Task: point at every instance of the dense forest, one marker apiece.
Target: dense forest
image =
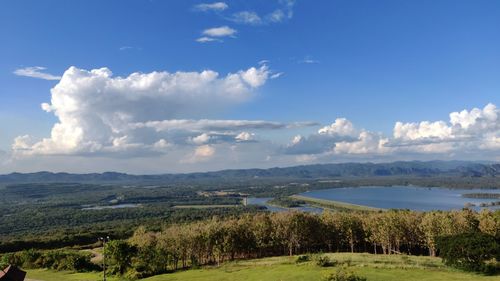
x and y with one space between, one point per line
46 209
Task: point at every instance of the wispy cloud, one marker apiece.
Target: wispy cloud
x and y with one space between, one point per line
216 6
36 72
308 60
276 16
205 39
276 75
283 12
247 17
128 48
222 31
214 34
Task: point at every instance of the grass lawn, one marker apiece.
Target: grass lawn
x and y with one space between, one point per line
49 275
374 268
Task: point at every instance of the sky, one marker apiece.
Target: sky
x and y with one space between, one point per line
150 87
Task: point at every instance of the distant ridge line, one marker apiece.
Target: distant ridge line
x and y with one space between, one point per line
336 170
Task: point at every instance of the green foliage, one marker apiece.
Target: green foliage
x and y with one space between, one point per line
302 258
287 202
217 240
119 256
8 259
343 274
469 251
325 261
49 216
54 259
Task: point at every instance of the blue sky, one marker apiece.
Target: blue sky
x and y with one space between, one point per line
373 63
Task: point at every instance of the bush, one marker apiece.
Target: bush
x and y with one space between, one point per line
469 251
8 259
302 258
343 274
55 259
491 268
325 261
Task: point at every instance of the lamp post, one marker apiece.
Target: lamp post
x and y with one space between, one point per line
104 240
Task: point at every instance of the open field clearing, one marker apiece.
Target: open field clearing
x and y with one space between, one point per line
374 268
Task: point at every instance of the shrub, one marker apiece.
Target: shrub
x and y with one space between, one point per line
343 274
54 259
10 258
469 251
302 258
325 261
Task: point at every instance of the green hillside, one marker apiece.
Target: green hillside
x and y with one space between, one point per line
373 267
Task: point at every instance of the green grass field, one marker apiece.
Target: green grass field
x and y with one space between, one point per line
374 268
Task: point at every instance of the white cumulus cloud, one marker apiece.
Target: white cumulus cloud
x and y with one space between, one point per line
201 153
244 136
98 112
201 139
474 132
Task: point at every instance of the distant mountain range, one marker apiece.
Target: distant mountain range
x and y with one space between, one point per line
412 168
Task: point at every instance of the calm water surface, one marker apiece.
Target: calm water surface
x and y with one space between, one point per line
403 197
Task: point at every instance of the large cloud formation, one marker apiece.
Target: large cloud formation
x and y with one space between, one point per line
467 132
176 118
100 113
341 137
477 129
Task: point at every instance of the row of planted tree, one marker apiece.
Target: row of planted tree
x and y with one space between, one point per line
289 233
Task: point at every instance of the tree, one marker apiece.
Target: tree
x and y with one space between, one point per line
489 222
262 229
351 228
464 221
433 225
468 251
331 232
119 253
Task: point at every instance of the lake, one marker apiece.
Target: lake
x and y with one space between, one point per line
403 197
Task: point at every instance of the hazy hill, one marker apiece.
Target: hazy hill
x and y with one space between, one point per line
413 168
